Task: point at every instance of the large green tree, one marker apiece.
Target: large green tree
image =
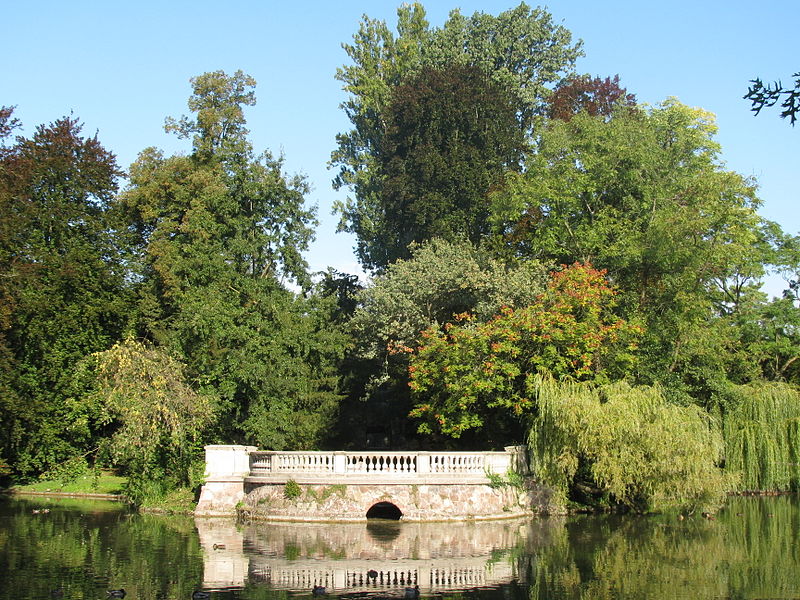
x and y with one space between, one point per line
450 136
219 233
520 52
61 283
646 196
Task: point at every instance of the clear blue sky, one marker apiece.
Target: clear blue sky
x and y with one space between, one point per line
121 67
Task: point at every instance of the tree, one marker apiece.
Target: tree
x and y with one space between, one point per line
520 50
158 418
441 280
598 97
7 122
770 334
218 233
625 442
469 375
62 285
762 437
761 96
645 196
450 136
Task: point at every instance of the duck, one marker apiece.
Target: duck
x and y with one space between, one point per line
318 590
120 593
200 595
412 592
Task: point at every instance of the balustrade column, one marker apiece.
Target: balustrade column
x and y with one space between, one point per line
423 463
274 463
339 462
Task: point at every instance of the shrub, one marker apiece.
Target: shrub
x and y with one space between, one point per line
291 490
648 454
762 437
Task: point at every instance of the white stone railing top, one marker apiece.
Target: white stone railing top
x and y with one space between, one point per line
238 461
244 461
382 464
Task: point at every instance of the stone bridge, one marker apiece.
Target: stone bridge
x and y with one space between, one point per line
355 486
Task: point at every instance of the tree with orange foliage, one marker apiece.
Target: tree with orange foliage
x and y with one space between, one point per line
469 374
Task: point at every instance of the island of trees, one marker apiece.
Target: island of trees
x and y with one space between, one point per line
552 263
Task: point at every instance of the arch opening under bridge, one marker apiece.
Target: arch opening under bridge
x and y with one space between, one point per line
384 510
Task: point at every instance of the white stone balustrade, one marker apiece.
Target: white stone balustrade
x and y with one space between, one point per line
382 466
231 469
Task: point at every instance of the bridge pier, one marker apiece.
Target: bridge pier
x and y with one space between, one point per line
226 469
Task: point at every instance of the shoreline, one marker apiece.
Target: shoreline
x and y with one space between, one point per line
90 495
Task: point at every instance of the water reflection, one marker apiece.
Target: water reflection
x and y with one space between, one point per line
383 556
83 548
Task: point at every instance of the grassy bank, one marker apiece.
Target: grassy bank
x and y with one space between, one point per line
105 483
108 484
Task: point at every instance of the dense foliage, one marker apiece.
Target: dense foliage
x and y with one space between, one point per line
160 418
507 61
628 443
762 437
61 284
467 374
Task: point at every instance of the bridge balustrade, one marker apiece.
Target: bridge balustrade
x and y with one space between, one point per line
383 464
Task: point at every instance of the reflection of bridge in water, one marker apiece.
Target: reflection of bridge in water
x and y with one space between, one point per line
373 558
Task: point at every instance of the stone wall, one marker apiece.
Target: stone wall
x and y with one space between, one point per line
415 502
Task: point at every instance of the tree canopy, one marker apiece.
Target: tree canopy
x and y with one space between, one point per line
218 233
519 53
61 284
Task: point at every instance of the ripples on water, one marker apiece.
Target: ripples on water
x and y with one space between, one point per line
80 549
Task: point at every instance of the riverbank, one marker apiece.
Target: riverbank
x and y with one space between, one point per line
106 486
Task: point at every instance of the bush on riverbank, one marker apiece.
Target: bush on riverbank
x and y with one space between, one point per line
762 437
626 446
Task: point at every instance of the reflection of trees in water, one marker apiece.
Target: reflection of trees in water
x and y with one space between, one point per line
87 547
748 550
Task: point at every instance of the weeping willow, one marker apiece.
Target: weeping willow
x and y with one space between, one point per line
762 437
646 453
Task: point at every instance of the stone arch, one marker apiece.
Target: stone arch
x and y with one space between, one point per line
384 510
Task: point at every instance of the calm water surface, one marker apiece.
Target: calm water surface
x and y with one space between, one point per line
80 549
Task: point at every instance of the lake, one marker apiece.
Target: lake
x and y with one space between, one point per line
68 548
